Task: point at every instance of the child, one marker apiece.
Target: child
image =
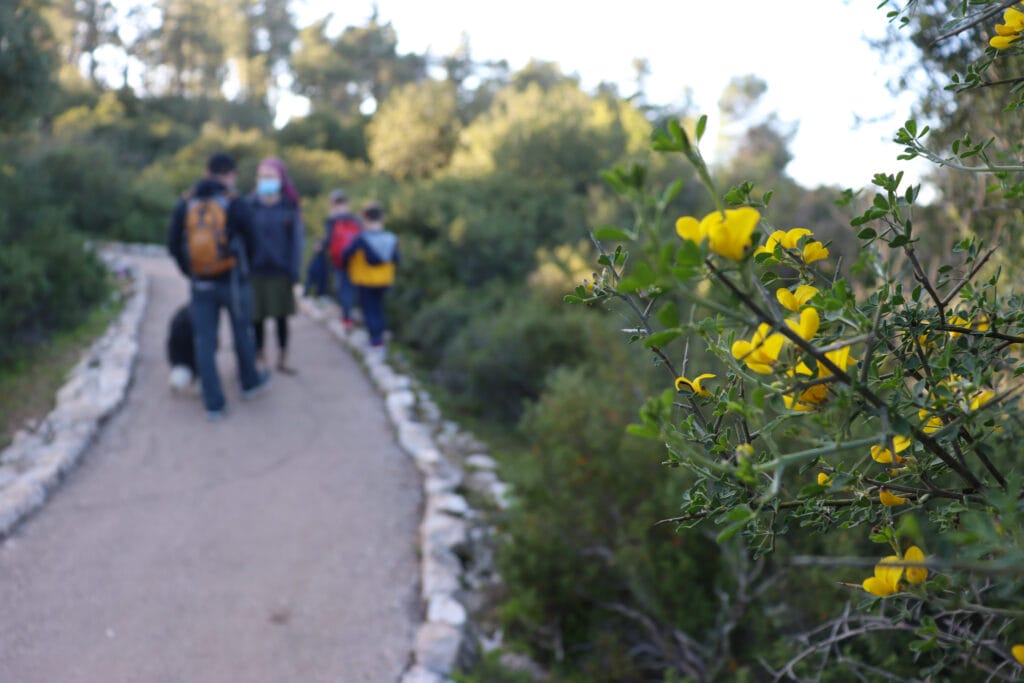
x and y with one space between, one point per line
370 262
340 229
181 350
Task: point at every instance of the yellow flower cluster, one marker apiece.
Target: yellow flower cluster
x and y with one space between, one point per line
727 232
790 239
888 573
1008 32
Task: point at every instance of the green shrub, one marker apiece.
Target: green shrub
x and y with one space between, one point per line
587 572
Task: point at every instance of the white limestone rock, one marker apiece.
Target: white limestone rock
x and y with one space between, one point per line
437 647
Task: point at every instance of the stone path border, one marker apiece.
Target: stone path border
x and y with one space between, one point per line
39 457
456 563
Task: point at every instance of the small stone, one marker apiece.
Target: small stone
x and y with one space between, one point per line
446 609
480 461
418 674
437 647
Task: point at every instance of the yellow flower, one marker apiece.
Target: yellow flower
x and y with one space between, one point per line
890 499
797 299
884 455
788 239
1018 653
932 423
824 479
1010 30
688 228
840 358
807 326
761 353
728 232
980 398
814 251
886 580
915 574
694 384
888 573
809 397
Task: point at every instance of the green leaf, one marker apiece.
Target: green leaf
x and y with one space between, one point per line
669 315
689 254
671 192
644 431
663 338
867 234
610 232
811 490
641 277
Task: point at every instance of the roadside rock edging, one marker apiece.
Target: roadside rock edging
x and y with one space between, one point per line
39 457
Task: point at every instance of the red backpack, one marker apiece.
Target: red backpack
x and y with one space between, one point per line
344 230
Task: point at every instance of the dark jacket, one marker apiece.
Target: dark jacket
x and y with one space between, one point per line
239 228
279 236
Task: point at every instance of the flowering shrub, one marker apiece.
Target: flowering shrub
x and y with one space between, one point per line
879 397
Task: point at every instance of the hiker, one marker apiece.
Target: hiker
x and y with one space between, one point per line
341 228
371 261
181 350
277 257
210 238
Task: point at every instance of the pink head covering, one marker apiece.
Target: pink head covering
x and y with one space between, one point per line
287 186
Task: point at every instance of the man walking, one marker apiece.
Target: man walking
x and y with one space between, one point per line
211 239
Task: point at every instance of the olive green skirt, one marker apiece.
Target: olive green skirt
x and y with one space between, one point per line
272 297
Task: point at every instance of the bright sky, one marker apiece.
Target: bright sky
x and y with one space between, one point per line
812 54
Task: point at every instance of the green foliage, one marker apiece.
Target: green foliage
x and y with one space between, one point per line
324 130
496 362
48 280
543 133
26 63
591 578
413 132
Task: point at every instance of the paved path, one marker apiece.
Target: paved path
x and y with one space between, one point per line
277 545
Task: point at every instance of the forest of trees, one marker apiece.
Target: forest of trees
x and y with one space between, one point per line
492 179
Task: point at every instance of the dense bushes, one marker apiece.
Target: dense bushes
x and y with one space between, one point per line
48 280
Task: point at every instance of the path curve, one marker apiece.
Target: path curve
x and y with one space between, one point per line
278 545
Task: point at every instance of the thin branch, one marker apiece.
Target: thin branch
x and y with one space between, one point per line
970 276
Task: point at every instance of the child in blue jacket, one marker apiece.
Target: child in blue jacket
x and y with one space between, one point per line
370 262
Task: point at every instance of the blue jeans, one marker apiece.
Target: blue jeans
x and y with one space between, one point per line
346 293
371 300
208 297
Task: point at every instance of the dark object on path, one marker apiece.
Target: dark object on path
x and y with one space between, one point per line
181 349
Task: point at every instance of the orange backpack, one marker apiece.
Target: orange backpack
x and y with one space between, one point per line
206 236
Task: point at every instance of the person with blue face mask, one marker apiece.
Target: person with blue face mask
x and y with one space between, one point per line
277 258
